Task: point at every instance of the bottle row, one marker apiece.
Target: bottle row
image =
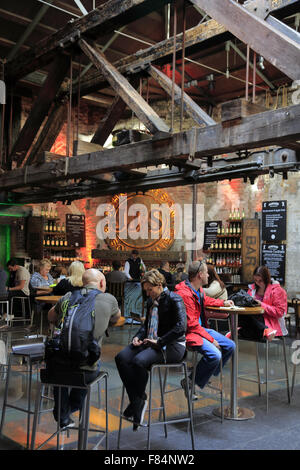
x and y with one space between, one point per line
230 229
235 214
226 260
61 256
55 241
54 226
49 214
226 244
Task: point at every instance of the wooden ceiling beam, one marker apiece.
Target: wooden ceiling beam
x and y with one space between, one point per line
110 16
40 108
190 107
277 48
129 95
258 130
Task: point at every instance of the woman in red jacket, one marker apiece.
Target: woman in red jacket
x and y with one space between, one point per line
273 299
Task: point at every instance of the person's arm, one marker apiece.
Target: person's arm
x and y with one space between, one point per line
179 327
126 270
53 315
278 306
19 286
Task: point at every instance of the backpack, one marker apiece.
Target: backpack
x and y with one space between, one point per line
74 344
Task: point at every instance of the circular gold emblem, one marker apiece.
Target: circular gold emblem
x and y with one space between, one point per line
144 221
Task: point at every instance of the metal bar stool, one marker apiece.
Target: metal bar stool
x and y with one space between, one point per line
189 418
32 359
267 380
23 317
73 380
192 389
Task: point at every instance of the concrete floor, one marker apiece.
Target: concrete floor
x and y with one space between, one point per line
276 430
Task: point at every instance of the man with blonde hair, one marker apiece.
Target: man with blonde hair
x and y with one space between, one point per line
106 312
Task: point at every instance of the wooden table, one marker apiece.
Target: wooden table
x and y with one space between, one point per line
234 411
48 299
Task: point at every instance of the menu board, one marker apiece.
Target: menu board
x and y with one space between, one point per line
274 221
273 256
210 233
75 230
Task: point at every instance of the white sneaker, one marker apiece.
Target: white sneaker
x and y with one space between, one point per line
8 317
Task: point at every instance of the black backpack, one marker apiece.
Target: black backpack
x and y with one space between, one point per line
74 345
243 299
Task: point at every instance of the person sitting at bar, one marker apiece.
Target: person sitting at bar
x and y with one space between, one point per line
134 267
106 313
161 339
59 272
21 281
165 271
212 345
41 280
273 299
72 282
215 287
116 275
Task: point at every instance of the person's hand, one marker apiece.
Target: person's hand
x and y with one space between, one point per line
228 303
258 302
151 342
136 341
215 343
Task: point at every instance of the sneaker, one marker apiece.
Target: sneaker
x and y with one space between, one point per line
228 335
183 385
140 407
68 423
270 334
129 411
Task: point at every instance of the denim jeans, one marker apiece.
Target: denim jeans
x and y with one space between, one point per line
209 364
72 398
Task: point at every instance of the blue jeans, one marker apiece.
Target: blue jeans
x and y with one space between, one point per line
209 364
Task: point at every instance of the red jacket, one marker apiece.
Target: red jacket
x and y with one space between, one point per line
195 332
274 304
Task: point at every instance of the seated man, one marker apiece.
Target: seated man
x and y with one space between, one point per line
161 339
116 275
21 281
106 312
212 345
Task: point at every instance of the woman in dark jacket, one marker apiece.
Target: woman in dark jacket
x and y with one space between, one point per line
161 339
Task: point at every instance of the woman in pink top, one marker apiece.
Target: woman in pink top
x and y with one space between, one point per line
273 299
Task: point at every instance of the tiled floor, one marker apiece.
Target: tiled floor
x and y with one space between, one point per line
277 429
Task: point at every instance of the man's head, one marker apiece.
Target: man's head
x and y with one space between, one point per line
197 273
165 265
95 278
134 254
12 265
116 265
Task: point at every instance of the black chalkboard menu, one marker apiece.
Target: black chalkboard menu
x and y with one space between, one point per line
75 230
274 221
210 233
273 256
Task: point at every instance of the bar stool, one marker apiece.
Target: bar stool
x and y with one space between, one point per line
74 380
2 303
32 359
189 418
23 317
259 381
217 389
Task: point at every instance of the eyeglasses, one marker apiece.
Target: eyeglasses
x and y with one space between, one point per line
201 262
